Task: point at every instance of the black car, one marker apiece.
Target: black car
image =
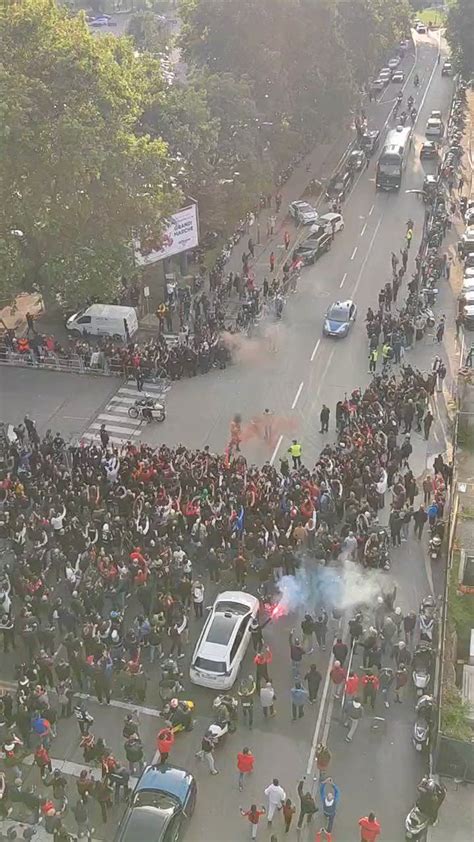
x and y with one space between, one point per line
162 803
369 141
339 185
429 149
311 249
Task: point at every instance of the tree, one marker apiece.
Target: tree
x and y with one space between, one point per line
79 179
150 32
460 35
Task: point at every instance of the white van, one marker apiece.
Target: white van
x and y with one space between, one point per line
104 320
434 128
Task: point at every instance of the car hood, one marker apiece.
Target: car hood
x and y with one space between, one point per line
336 327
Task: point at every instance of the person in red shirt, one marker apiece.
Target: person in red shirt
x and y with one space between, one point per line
338 678
352 685
164 743
370 684
369 828
245 762
253 816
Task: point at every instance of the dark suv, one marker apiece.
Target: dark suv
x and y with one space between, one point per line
312 248
339 186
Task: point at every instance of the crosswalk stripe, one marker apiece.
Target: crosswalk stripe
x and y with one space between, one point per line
116 407
121 399
127 431
106 416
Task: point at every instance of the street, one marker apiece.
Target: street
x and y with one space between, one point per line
292 370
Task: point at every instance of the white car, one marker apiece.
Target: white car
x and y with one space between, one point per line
329 222
421 29
303 212
469 217
436 115
223 641
398 76
434 128
385 74
393 62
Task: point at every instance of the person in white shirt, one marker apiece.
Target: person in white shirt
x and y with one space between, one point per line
57 519
276 798
198 598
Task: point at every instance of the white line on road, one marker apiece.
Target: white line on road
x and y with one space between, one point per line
315 349
322 704
297 396
364 263
343 280
371 210
354 253
277 448
364 229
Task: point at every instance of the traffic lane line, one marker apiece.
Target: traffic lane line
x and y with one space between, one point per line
364 229
366 258
275 452
315 350
343 280
297 396
353 253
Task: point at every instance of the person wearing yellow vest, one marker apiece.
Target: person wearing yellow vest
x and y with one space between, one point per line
295 452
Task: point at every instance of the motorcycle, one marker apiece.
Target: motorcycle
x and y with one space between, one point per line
424 812
148 409
422 668
226 708
435 546
422 726
179 716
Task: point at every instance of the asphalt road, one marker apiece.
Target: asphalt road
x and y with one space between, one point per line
377 771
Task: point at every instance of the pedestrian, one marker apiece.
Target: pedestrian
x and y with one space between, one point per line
370 685
253 816
409 624
198 598
251 247
373 357
271 225
460 183
164 743
299 697
440 329
296 653
272 262
103 794
338 678
276 798
409 237
81 817
43 761
353 713
246 692
340 651
324 418
289 811
352 685
267 424
329 794
262 660
420 517
313 678
307 623
307 805
427 422
207 751
134 753
320 629
267 699
295 451
139 379
427 489
104 436
245 764
287 240
386 679
401 680
369 828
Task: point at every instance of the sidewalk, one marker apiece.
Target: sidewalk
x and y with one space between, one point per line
456 816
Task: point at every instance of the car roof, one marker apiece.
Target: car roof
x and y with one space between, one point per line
302 204
141 822
330 215
172 780
341 305
225 623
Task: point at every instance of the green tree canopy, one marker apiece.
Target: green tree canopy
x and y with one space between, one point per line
79 178
460 35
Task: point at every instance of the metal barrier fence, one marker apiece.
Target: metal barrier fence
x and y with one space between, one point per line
97 363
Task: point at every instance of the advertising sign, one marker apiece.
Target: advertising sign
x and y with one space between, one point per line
180 235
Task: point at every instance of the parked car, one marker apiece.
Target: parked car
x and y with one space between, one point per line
340 317
223 641
378 84
303 212
398 76
421 29
310 250
429 149
161 806
447 69
434 128
356 160
393 62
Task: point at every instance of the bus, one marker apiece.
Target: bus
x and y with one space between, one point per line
393 159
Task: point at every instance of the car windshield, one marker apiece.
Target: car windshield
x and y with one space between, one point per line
305 208
154 798
235 607
220 630
336 313
210 666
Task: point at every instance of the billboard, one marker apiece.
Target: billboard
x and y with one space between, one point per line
180 234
